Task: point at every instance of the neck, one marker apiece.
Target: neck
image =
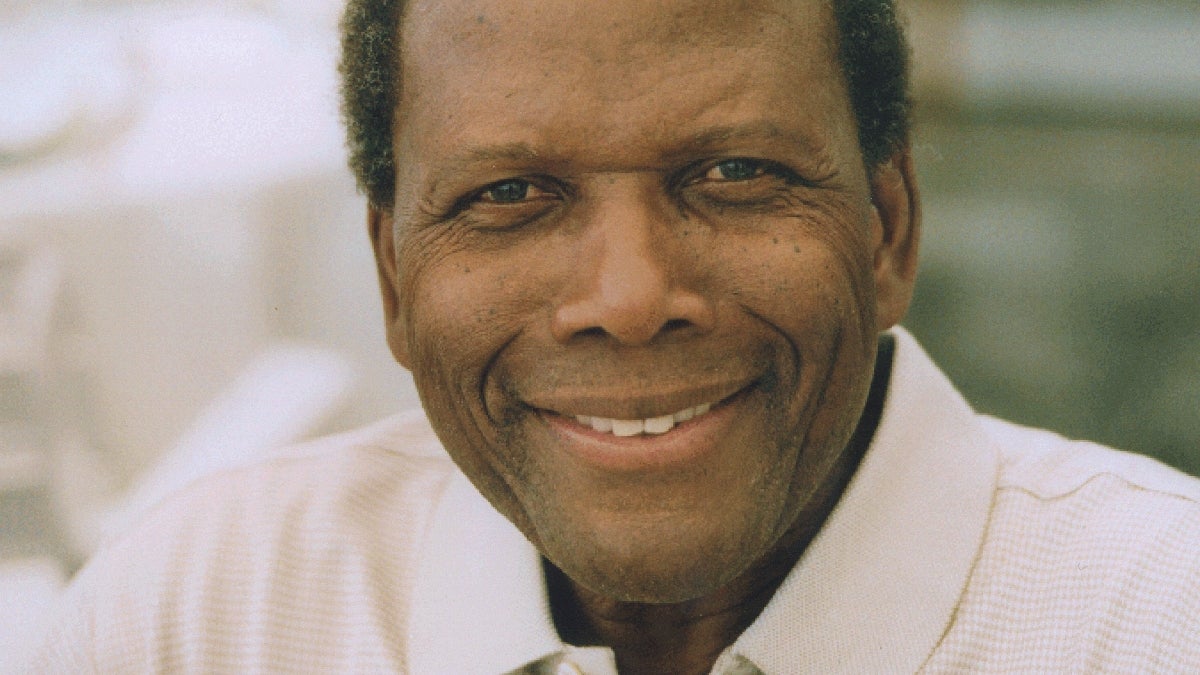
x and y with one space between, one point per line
688 637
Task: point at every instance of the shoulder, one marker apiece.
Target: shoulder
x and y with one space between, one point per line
320 492
268 561
1118 507
1092 556
1048 465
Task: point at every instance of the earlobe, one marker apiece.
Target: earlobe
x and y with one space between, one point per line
382 233
897 202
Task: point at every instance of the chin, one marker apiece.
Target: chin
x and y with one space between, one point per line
659 582
658 565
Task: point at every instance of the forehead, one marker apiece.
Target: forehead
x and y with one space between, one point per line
606 30
619 70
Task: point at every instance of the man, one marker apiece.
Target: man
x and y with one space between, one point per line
643 260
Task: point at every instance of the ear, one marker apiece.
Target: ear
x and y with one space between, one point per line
896 236
380 225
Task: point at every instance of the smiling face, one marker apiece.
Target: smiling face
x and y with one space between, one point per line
638 272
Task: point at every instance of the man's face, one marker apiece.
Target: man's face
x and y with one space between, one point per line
648 212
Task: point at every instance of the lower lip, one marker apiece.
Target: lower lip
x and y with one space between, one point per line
686 442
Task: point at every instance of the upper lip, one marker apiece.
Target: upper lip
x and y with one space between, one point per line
630 402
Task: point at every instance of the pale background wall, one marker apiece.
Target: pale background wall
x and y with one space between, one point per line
184 272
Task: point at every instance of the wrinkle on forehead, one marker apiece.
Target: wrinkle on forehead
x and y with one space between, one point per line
616 85
613 33
616 50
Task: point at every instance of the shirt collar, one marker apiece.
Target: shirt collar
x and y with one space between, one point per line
874 592
479 602
877 588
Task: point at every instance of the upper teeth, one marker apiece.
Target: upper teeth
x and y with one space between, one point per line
652 425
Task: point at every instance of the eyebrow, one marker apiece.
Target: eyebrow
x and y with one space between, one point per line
708 140
515 153
511 153
758 130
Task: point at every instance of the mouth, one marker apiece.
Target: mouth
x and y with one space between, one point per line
659 442
650 426
624 413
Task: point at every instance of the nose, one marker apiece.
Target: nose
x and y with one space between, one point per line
634 278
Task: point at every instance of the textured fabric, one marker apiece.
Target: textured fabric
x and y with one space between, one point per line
963 544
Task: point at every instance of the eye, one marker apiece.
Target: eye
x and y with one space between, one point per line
736 169
507 203
507 192
512 191
734 182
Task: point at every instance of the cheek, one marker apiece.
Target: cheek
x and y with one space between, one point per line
808 282
813 287
460 311
460 308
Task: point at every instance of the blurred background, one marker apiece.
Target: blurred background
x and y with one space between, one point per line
185 277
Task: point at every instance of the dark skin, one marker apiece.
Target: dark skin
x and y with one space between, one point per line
656 639
624 212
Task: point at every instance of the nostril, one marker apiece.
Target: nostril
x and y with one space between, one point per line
591 332
675 324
